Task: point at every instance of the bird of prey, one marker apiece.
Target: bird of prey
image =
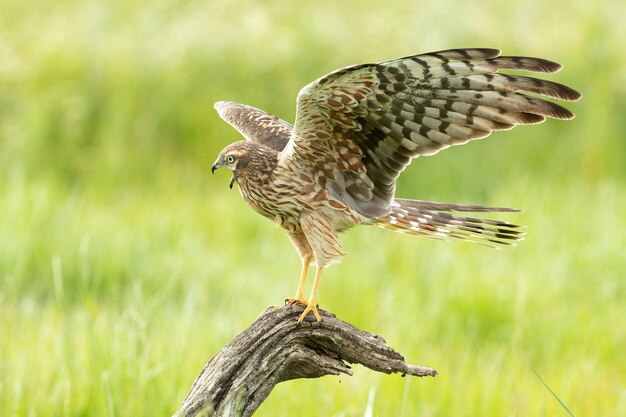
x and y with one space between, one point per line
358 128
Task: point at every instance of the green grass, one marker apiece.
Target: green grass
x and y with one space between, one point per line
124 265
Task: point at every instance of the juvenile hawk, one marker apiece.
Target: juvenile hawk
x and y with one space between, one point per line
356 130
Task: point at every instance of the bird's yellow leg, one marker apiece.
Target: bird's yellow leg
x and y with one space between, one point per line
311 306
298 298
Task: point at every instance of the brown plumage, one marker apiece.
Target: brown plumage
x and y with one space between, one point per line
356 130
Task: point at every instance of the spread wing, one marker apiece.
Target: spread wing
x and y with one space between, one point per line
255 125
362 125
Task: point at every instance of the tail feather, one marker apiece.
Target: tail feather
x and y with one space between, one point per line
431 219
435 205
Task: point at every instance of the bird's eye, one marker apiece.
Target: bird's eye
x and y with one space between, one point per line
230 159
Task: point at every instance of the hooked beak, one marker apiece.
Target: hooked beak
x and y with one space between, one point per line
217 165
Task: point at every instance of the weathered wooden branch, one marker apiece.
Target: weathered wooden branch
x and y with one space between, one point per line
275 348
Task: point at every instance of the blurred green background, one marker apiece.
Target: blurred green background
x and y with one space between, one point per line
124 265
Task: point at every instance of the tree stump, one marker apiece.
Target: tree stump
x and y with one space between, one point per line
276 348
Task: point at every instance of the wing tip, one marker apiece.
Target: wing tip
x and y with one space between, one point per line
562 92
546 65
527 63
568 94
231 109
561 113
574 95
221 105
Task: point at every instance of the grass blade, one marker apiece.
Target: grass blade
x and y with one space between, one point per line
553 393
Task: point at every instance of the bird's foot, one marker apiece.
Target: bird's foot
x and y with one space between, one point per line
310 307
296 300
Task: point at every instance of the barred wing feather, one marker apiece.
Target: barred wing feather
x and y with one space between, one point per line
255 125
362 125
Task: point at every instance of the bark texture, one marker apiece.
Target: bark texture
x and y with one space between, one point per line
275 348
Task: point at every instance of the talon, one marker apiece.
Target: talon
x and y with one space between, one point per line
310 307
292 301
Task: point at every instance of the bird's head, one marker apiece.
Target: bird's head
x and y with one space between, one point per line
244 158
230 157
